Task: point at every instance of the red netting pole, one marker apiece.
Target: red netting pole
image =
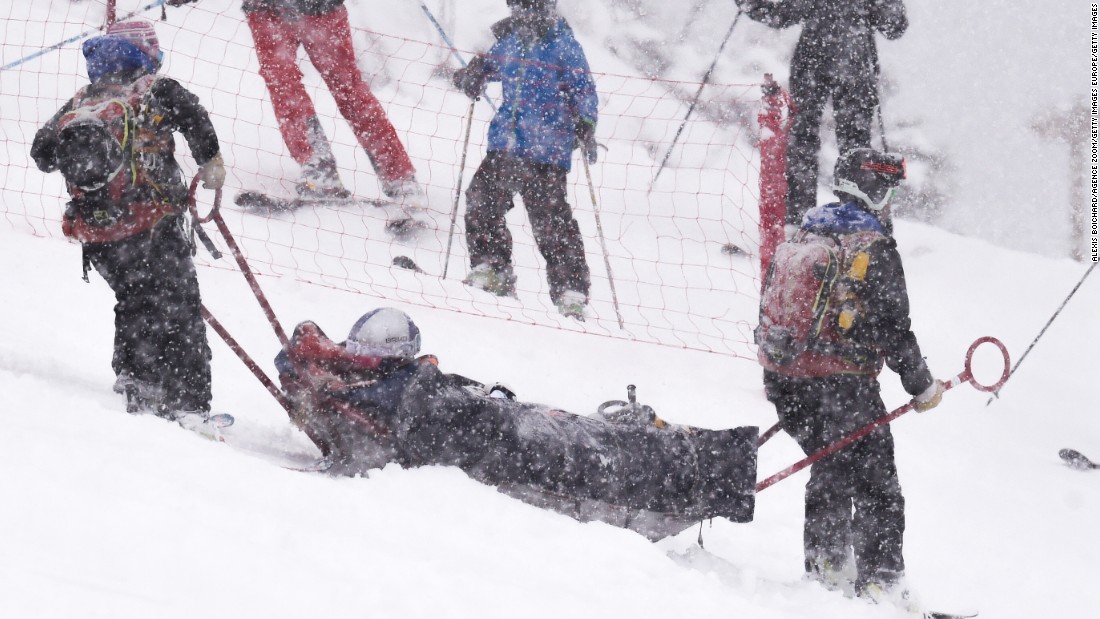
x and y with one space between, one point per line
775 124
110 12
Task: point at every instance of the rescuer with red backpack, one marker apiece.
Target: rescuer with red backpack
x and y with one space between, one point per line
113 143
833 310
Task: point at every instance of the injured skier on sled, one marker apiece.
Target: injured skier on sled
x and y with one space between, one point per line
371 400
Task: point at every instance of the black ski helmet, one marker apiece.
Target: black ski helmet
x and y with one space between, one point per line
384 332
869 175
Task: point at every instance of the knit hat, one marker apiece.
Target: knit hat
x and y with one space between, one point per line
141 34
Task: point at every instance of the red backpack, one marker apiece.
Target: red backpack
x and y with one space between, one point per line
104 147
809 304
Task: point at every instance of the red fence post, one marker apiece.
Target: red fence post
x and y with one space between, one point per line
775 124
110 12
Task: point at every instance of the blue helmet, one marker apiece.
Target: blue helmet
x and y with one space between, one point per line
127 47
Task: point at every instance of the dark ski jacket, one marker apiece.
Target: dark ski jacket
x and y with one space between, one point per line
547 88
167 107
837 35
366 412
884 322
292 7
177 109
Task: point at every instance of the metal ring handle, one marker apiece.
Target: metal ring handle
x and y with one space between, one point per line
193 206
968 374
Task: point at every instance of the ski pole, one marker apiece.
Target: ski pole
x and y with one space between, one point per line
695 101
882 128
215 215
44 51
450 44
996 393
458 187
599 231
245 358
967 375
878 104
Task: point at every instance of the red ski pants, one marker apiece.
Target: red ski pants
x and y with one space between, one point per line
327 41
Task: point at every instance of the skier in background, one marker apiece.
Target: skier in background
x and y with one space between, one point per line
835 58
824 384
549 109
321 27
113 143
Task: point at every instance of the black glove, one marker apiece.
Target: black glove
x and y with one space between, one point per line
585 131
471 78
179 2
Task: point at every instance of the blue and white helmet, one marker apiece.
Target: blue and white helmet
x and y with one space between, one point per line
384 332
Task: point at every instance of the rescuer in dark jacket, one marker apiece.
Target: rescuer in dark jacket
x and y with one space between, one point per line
825 386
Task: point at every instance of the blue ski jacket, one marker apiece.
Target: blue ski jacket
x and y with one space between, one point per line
547 88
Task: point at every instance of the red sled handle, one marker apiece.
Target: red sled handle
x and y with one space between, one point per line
966 376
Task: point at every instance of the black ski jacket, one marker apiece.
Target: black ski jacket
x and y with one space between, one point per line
172 108
837 35
885 324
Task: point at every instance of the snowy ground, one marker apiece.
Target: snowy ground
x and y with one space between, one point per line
108 515
103 514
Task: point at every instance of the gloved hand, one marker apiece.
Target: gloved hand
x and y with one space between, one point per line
179 2
585 131
929 398
471 78
212 173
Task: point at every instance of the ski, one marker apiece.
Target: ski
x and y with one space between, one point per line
733 250
932 614
259 200
275 450
206 426
1077 460
315 465
400 225
405 228
405 262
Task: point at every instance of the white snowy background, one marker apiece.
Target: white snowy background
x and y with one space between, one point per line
103 514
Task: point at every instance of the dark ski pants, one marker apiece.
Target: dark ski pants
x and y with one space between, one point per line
854 103
542 187
160 337
853 498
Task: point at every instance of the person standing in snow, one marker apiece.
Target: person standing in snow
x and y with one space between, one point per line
825 387
549 109
113 143
321 27
835 58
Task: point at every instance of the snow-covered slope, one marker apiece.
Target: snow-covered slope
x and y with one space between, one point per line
109 515
103 514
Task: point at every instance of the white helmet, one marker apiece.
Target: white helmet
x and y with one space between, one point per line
384 332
